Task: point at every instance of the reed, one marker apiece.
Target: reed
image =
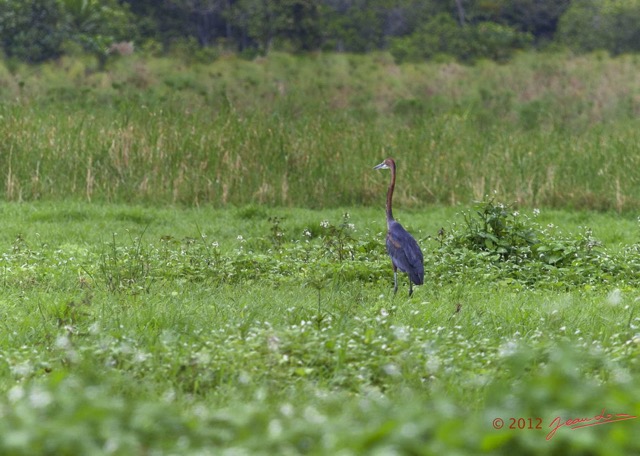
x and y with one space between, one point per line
544 130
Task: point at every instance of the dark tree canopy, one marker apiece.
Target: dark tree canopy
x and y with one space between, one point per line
37 30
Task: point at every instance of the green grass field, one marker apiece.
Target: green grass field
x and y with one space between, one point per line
192 257
130 329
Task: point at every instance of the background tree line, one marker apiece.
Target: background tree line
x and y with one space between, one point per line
412 30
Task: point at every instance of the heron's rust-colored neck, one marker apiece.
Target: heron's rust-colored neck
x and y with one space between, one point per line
392 166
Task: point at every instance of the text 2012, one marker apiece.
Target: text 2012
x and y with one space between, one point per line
519 423
525 423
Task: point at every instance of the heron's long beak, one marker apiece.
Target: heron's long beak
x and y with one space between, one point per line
382 165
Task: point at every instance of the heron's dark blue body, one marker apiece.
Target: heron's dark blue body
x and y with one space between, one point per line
403 249
405 253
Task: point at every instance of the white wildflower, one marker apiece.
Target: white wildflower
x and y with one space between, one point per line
507 349
312 415
63 342
140 357
22 369
94 328
615 297
433 364
286 410
40 398
401 333
273 343
16 393
169 395
275 428
391 370
244 378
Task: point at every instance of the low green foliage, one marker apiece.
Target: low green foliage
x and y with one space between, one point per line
512 246
130 329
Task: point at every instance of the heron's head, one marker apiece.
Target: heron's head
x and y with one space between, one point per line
388 163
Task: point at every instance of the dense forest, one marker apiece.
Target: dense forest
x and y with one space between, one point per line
412 30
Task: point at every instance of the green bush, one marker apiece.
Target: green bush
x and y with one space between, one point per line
609 25
443 36
35 31
32 31
496 241
496 41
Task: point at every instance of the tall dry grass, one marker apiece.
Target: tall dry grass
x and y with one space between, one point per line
544 130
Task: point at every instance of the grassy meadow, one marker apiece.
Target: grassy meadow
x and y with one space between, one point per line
552 131
192 257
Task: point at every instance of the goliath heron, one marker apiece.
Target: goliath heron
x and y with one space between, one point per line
402 247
